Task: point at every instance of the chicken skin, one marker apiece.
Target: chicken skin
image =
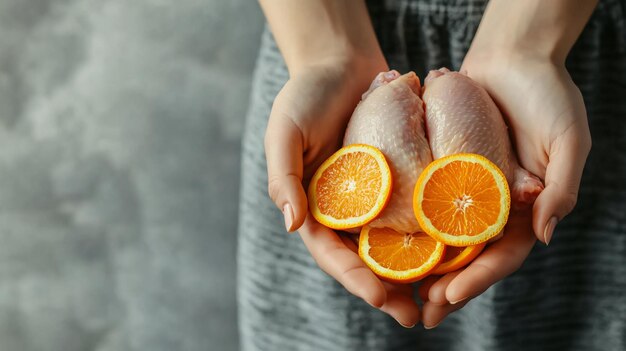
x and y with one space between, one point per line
390 117
462 117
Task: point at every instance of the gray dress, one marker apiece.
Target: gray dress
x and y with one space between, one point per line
568 296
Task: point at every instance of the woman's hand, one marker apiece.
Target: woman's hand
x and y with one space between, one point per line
306 126
332 54
518 56
446 294
548 124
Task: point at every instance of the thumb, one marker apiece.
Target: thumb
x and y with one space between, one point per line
566 161
283 152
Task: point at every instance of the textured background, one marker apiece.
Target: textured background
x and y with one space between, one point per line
119 159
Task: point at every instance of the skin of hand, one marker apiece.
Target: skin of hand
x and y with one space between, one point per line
328 73
306 126
526 76
450 292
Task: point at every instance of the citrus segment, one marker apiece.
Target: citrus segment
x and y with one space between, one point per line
457 258
350 188
398 257
462 200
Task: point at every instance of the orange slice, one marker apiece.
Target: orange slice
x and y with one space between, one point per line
398 257
457 258
350 188
462 200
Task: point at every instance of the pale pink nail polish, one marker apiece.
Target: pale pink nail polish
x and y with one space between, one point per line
457 301
407 326
288 213
432 326
547 233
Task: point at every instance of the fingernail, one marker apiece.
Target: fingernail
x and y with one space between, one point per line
547 233
432 326
457 301
288 213
407 326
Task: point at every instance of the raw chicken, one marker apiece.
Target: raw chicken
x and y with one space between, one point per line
462 117
390 117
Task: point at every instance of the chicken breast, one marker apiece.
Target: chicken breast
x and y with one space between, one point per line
462 117
390 117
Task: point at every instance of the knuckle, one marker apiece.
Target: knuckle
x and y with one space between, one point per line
323 263
587 144
327 261
566 197
325 267
281 185
515 259
273 188
267 139
570 199
585 141
488 271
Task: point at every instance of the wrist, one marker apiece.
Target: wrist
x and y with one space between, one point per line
356 64
500 59
354 73
488 49
316 32
516 43
531 29
488 67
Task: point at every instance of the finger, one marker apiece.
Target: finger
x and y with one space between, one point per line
568 154
405 289
350 244
437 292
400 305
341 263
425 285
434 314
497 261
283 152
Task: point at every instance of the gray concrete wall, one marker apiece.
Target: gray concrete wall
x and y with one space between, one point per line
119 157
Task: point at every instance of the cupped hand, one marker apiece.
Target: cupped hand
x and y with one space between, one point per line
306 126
548 125
550 133
445 294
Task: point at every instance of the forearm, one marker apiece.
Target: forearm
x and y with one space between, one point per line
314 31
545 29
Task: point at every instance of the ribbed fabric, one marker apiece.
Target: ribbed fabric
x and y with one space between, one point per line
570 296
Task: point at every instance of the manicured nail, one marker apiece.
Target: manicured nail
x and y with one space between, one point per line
457 301
432 326
547 233
288 213
407 326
